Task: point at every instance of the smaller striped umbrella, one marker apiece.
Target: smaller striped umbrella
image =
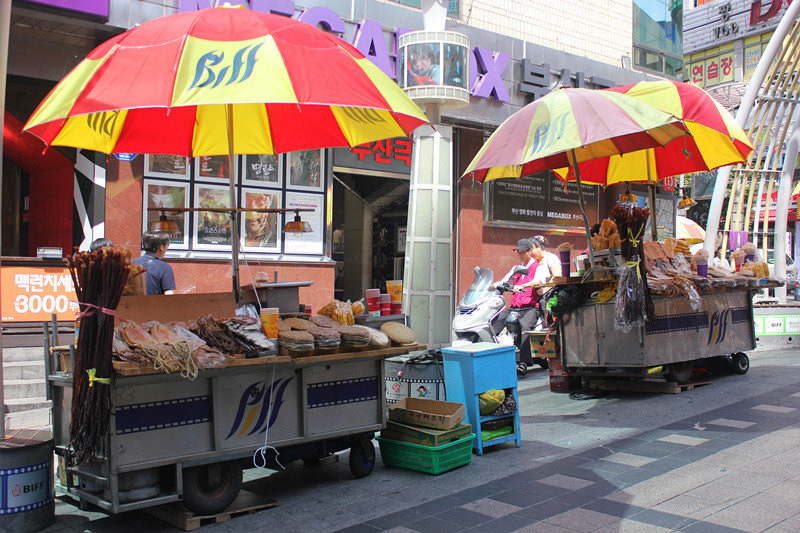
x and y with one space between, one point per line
689 230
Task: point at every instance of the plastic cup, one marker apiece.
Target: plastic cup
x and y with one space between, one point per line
269 322
397 308
395 290
750 258
386 308
373 293
702 270
386 298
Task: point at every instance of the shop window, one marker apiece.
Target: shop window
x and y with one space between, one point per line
289 181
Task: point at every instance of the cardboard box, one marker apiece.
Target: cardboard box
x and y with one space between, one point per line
424 436
542 348
427 413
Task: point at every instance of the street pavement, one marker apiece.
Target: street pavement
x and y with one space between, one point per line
721 457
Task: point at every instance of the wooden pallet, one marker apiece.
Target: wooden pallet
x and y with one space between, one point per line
176 514
664 387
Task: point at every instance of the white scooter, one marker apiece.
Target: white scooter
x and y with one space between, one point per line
476 310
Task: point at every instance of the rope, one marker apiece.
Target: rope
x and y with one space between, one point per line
261 453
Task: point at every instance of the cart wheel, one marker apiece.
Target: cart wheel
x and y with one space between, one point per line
741 363
210 489
362 457
680 372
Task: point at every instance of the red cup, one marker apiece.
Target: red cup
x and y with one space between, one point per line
397 308
386 308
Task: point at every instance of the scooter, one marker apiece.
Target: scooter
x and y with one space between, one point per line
480 305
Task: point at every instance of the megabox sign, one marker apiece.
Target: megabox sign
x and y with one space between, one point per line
485 67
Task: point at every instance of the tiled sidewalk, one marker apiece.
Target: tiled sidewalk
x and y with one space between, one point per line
740 471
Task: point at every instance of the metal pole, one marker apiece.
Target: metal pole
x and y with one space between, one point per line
583 209
5 24
749 98
234 213
782 213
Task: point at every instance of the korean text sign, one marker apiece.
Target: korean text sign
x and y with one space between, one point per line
33 294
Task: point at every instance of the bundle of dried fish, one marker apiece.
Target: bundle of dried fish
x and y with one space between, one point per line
122 351
140 341
204 355
179 349
250 330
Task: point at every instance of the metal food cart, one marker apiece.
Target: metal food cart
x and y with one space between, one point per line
168 436
721 327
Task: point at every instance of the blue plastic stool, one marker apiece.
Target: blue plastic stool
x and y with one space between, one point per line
473 369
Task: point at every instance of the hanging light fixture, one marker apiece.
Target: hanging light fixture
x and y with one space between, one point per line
686 203
628 199
297 226
163 224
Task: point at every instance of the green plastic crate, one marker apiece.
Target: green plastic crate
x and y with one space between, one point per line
428 459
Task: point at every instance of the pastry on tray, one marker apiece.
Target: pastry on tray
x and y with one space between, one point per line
399 333
325 337
354 336
300 341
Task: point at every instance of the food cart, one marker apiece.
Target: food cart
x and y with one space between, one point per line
680 336
172 438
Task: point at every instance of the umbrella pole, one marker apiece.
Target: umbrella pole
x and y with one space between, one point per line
651 189
583 209
234 211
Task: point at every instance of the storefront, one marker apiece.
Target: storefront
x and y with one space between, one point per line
359 197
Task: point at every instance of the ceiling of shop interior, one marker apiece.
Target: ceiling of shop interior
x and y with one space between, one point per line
385 196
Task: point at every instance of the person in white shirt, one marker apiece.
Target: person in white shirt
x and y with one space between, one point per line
549 268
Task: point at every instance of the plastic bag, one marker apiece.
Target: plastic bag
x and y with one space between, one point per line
629 306
508 407
343 313
490 400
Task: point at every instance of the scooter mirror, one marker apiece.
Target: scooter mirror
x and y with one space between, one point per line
521 270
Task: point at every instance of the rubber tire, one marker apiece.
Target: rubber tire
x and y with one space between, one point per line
680 373
542 362
201 498
740 362
362 457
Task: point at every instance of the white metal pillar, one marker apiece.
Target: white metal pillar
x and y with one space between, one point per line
427 278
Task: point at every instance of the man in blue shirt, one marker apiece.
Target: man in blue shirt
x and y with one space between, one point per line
160 278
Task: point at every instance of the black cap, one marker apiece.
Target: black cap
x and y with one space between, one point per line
523 245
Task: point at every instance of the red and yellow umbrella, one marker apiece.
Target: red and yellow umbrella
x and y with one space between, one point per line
716 139
165 87
569 126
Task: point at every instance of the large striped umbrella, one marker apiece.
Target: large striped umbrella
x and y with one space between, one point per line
716 139
223 81
689 230
166 86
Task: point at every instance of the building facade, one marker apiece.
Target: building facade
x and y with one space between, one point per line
520 51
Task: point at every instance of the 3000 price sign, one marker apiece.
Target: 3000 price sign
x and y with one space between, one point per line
36 303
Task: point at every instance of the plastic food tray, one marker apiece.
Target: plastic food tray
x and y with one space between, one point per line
428 459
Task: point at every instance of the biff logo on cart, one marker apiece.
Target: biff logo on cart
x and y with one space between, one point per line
254 408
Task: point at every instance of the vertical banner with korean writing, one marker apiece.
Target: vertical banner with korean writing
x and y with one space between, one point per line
33 294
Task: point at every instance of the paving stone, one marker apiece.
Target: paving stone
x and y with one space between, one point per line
432 524
630 526
582 520
492 508
688 506
566 482
629 459
520 499
683 439
464 517
727 422
774 408
756 513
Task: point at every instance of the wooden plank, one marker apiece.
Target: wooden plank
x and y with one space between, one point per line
122 368
177 515
664 387
175 307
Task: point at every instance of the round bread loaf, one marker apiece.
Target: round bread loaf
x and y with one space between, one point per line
324 321
399 333
283 326
325 337
300 323
296 340
354 335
